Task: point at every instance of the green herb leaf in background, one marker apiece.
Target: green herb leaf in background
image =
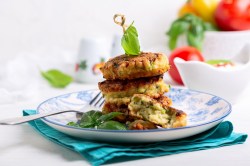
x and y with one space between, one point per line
194 40
130 41
177 29
56 78
192 26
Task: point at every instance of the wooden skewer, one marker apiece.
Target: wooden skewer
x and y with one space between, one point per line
121 22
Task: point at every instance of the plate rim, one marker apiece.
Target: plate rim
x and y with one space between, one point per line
136 131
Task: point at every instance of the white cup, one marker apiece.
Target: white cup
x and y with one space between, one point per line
93 52
116 46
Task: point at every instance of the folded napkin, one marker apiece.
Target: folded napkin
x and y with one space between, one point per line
98 153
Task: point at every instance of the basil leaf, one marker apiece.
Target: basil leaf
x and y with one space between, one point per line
108 116
209 27
187 17
87 124
195 35
177 29
91 116
130 41
112 125
89 119
172 42
56 78
73 124
192 26
95 119
193 40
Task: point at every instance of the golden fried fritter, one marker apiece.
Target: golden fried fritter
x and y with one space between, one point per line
130 67
141 125
146 108
151 86
114 107
165 101
121 105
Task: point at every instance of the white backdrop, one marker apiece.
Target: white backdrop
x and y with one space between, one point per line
46 27
39 35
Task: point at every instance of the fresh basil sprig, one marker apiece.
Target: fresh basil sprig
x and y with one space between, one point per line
112 125
56 78
95 119
191 25
130 41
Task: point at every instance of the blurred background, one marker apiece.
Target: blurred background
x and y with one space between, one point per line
51 27
40 35
37 36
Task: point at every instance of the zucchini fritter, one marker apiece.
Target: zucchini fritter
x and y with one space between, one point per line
121 105
130 67
146 108
114 107
152 86
141 125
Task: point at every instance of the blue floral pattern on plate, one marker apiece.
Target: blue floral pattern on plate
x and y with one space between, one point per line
203 112
200 107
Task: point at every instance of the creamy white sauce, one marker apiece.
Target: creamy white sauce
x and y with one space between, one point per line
234 65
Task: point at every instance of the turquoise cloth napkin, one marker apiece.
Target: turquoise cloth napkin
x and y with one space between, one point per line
98 153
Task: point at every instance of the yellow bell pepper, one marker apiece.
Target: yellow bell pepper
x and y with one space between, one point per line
205 8
185 9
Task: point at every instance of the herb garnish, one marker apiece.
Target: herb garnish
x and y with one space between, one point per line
95 119
56 78
130 42
191 25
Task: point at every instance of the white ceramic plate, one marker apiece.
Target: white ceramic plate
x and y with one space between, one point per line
204 111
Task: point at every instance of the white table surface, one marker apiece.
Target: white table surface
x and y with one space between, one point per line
21 145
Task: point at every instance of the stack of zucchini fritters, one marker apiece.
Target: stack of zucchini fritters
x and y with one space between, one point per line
134 86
